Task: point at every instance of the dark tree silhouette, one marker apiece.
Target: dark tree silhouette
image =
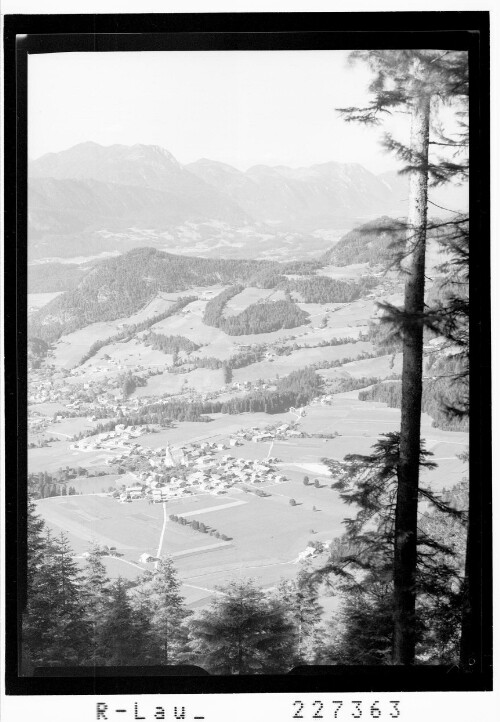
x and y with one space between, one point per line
242 632
364 558
411 80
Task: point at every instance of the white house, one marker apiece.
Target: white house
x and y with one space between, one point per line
146 558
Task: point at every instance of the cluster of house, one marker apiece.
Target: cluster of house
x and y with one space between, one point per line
118 439
275 433
194 469
37 423
252 385
326 400
82 398
43 387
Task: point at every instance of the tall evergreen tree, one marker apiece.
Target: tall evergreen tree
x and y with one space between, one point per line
299 597
95 584
411 79
36 549
36 543
56 631
122 634
364 558
243 632
361 630
448 316
158 597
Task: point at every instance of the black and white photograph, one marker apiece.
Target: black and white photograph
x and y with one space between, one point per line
248 404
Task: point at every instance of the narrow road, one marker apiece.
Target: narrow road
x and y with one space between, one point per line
119 559
205 589
158 553
270 449
125 561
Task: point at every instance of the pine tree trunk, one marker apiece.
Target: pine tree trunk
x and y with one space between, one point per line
405 548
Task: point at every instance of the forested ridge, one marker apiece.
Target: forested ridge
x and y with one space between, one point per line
264 318
373 243
261 317
322 289
51 277
131 329
170 344
118 287
215 307
267 316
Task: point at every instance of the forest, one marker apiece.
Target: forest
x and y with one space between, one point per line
264 318
131 329
322 289
215 307
121 286
256 318
374 243
170 344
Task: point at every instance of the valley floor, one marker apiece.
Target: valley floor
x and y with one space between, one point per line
262 534
267 534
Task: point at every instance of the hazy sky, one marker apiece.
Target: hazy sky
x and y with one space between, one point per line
240 107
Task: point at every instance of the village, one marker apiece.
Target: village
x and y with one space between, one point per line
103 398
164 473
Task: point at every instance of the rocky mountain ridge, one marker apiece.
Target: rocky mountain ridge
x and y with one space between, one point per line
91 198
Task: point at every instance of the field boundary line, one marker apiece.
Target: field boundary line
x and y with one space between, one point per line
213 508
196 550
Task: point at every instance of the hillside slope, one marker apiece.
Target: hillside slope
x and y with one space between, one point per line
122 285
370 243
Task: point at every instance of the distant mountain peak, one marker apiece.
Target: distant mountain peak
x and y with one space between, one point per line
151 151
214 164
77 161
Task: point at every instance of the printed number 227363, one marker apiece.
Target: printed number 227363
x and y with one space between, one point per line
340 709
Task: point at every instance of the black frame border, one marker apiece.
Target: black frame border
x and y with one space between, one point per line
244 31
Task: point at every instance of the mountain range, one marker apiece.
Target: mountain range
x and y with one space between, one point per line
92 199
